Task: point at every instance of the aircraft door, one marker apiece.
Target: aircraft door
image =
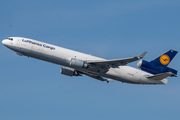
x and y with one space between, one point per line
17 42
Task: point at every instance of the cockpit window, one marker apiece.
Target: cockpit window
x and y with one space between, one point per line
10 39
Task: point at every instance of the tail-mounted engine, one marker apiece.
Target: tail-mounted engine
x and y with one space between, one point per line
154 69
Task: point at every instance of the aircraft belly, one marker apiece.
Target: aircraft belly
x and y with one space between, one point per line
124 74
14 48
118 74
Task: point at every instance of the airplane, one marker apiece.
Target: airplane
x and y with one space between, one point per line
77 64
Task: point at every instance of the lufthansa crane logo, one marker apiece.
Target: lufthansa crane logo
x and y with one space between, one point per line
164 59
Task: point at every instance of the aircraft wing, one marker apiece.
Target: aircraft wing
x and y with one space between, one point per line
117 62
97 77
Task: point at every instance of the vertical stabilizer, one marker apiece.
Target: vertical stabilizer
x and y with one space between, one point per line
165 58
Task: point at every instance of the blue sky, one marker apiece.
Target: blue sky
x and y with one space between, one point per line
31 89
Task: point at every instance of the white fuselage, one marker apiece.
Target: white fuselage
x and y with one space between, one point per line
62 56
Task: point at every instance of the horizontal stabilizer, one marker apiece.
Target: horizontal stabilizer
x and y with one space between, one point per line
161 76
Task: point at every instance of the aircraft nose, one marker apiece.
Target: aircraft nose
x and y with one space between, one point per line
4 42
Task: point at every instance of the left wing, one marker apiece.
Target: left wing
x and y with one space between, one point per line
117 62
98 77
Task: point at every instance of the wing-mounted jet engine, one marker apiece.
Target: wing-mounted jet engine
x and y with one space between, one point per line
69 71
78 63
159 65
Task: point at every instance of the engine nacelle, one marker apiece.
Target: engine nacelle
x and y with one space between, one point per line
78 63
69 71
154 69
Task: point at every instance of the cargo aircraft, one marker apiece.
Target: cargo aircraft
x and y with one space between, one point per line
76 64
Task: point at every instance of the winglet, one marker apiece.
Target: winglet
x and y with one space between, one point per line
142 55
